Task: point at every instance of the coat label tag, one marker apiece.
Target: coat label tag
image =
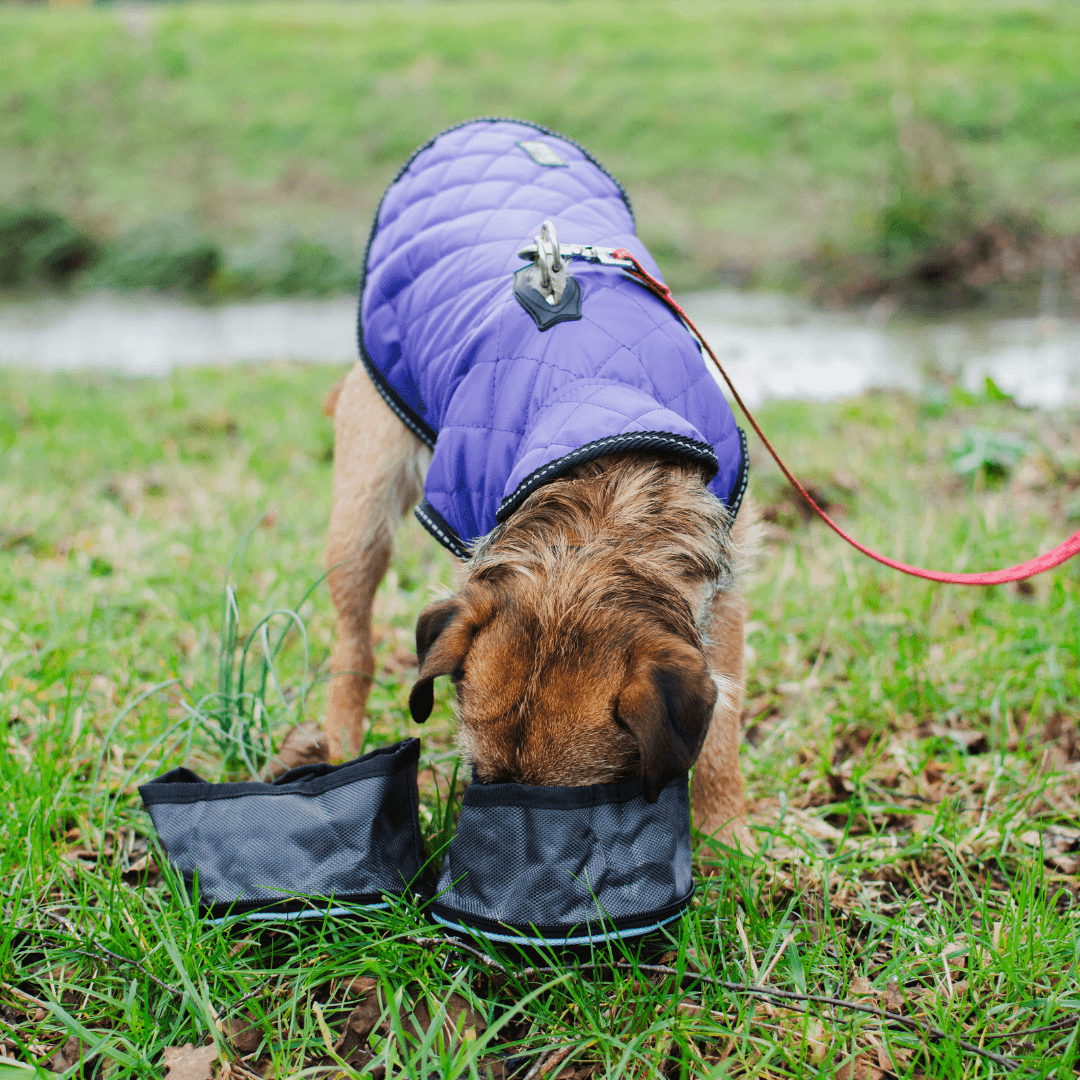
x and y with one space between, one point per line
542 154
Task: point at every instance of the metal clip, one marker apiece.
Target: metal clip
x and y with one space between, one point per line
545 289
585 252
547 275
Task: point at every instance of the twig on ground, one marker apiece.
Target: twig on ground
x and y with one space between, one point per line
928 1031
548 1061
233 1005
788 940
98 952
1057 1025
9 989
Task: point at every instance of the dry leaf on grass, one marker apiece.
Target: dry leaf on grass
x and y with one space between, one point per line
461 1021
955 954
971 742
897 1054
815 1041
1055 841
860 1067
359 987
243 1035
696 961
143 869
358 1027
189 1062
67 1055
126 849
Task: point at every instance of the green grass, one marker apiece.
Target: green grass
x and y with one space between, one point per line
747 131
905 746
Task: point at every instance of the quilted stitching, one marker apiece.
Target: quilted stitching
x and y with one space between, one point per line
450 348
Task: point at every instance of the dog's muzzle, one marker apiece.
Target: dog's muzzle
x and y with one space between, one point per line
318 838
566 866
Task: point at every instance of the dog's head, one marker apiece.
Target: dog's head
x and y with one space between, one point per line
575 646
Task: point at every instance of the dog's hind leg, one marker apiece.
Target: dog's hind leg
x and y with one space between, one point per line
718 801
379 468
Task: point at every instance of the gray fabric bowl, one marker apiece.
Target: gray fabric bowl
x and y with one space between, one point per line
563 866
319 837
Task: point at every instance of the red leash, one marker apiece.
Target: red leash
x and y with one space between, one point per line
992 577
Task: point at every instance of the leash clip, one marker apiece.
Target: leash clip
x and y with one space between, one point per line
585 252
545 289
547 275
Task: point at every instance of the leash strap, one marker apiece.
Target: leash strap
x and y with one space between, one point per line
626 261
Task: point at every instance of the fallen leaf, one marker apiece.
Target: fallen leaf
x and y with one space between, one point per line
143 869
1055 840
244 1037
695 961
189 1062
359 1024
971 742
360 987
901 1055
815 1039
461 1021
955 954
67 1055
859 1067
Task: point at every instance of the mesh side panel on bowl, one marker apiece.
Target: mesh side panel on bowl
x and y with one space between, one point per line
539 857
347 831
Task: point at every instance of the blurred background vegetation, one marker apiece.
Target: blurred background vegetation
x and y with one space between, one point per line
921 149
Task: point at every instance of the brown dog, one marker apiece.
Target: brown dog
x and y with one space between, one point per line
597 634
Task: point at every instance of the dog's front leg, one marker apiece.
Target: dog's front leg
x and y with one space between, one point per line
719 806
379 468
718 800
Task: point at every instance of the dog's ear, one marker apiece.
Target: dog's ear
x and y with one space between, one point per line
444 632
667 705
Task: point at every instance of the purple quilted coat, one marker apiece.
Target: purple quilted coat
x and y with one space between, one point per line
504 406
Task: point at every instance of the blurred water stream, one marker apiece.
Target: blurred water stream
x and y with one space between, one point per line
772 346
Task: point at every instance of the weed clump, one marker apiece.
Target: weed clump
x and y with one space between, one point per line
936 241
295 266
169 257
39 246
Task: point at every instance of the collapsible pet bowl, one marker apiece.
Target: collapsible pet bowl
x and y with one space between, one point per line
567 866
318 838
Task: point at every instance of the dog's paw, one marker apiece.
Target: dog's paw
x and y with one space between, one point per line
306 744
724 839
